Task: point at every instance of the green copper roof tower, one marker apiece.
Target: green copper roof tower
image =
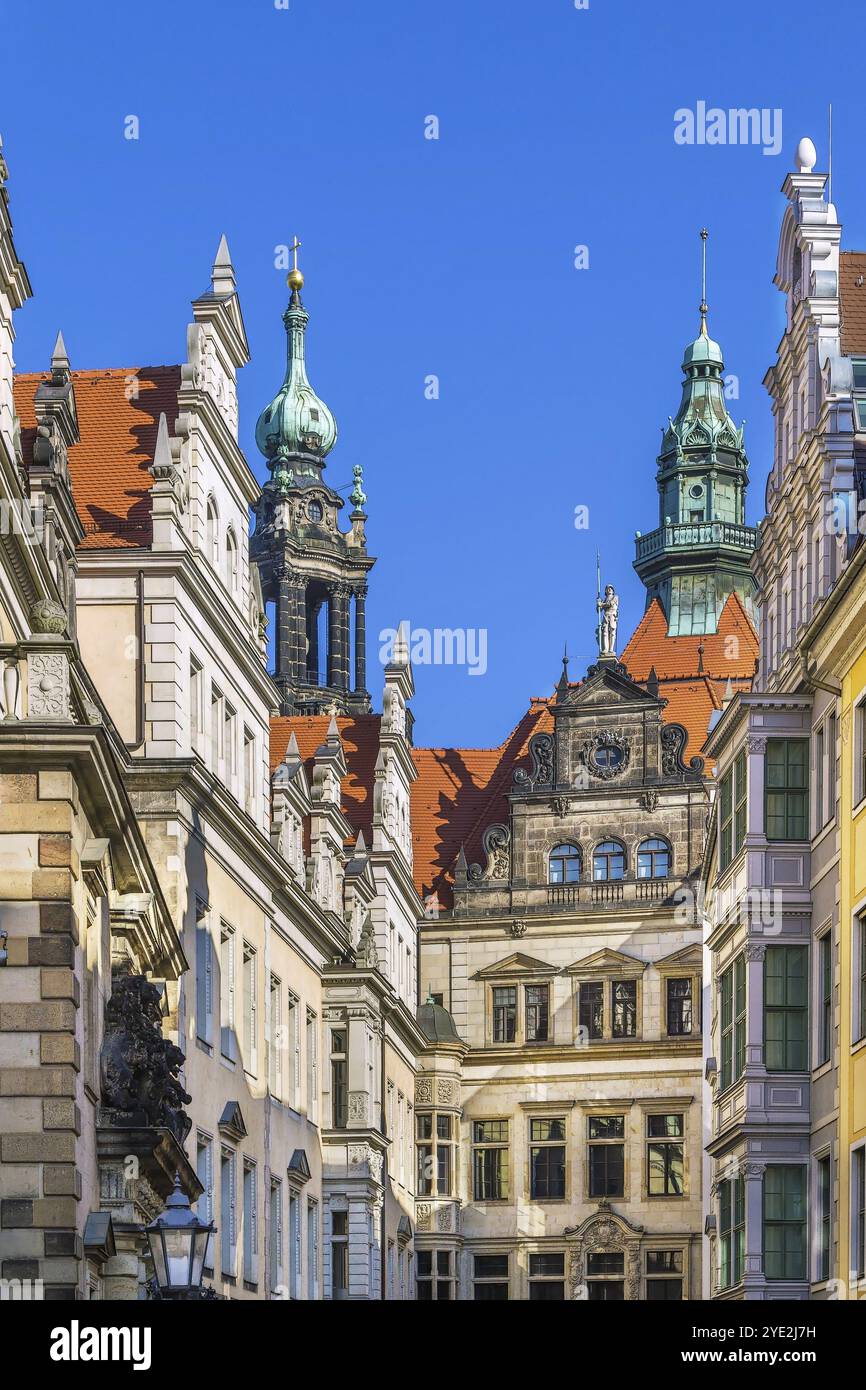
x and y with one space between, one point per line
701 551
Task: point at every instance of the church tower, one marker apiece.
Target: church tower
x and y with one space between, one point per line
314 573
702 548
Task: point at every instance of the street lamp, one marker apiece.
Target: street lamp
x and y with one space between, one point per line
178 1245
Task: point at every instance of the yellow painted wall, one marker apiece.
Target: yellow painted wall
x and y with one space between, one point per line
852 1071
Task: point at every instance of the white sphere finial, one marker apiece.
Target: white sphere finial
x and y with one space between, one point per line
807 156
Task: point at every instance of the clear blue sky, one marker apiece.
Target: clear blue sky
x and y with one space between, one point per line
451 257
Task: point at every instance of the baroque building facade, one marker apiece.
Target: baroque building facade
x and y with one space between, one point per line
783 932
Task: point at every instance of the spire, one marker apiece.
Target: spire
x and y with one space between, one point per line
562 685
297 430
60 357
704 307
223 272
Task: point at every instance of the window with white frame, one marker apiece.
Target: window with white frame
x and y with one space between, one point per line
312 1066
228 1212
231 562
227 992
251 1231
196 682
824 1029
275 1235
823 1207
212 533
339 1254
665 1155
312 1249
860 751
859 977
205 1174
203 976
249 770
858 1213
275 1038
216 731
229 741
292 1046
251 1008
294 1244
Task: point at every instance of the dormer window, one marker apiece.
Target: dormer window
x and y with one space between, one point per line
315 511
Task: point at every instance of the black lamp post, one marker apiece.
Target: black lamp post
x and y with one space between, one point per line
178 1245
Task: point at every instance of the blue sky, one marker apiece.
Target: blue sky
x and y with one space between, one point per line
451 257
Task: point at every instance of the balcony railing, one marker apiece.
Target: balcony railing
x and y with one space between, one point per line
610 893
687 535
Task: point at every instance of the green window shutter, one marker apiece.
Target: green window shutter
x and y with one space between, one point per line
725 827
786 772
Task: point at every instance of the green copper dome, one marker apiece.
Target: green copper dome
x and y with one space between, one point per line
297 423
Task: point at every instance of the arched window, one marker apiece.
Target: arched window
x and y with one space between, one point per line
231 561
212 538
608 861
563 864
653 859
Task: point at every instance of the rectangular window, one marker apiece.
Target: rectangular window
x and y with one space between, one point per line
732 810
591 1009
251 1009
785 1221
203 976
860 751
490 1283
195 710
606 1155
292 1046
732 1232
249 773
537 1004
444 1155
858 1213
665 1155
819 779
490 1160
860 981
831 766
275 1039
251 1235
312 1249
339 1254
504 1014
546 1159
786 798
227 992
229 737
339 1078
547 1278
624 1008
294 1245
825 1214
825 1022
312 1067
434 1274
228 1212
786 1008
216 731
605 1281
664 1269
679 993
726 819
732 990
424 1135
275 1235
205 1204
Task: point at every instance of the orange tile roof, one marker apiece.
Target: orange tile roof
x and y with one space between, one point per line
852 267
118 416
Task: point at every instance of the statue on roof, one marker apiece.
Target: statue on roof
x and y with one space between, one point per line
608 611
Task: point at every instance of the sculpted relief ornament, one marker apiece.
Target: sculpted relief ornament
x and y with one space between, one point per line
495 842
608 619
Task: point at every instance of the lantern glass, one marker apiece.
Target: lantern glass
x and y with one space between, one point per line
178 1247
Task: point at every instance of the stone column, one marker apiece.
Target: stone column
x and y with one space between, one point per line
313 640
333 637
755 829
299 593
360 639
284 626
754 1280
341 599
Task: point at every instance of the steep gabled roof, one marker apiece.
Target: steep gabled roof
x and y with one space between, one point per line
118 415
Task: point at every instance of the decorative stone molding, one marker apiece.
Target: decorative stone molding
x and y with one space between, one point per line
755 952
358 1107
649 799
755 744
673 740
10 688
516 928
138 1066
605 740
541 769
47 616
495 842
47 685
423 1215
424 1090
446 1091
560 805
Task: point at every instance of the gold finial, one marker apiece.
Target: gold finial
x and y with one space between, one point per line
704 308
295 279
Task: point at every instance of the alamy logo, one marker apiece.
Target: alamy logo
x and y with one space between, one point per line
438 646
77 1343
738 126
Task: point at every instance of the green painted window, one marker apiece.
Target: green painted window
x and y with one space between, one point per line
732 1231
732 811
785 1008
785 1221
786 795
733 1015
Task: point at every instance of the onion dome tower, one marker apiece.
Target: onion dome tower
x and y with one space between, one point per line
702 548
313 573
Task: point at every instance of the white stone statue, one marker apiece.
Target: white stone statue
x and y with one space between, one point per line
608 608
